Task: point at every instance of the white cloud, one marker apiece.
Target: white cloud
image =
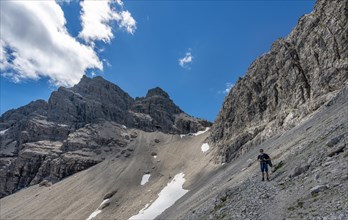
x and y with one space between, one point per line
127 22
185 61
35 44
228 88
97 18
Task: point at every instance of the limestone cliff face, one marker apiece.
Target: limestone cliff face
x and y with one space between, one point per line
90 101
95 100
297 75
77 128
156 111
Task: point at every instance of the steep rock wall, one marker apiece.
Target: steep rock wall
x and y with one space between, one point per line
297 75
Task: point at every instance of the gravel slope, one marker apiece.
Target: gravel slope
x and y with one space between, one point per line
313 154
310 182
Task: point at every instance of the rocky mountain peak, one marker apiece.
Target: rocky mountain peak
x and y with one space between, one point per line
74 121
297 76
157 92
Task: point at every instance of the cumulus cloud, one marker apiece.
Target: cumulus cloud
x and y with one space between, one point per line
35 44
97 18
186 60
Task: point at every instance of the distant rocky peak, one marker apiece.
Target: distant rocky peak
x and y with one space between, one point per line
157 92
100 88
97 81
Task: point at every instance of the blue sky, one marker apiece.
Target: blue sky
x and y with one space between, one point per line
219 39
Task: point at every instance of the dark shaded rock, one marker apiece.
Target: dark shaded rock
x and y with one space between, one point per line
45 183
109 194
157 92
299 170
333 141
337 150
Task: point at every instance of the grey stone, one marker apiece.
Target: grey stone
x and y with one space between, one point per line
104 205
45 183
109 194
299 170
318 189
333 141
336 151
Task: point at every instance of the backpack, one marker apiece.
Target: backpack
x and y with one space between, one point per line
269 161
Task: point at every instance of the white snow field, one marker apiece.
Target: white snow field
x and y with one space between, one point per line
166 198
97 211
145 179
205 147
195 134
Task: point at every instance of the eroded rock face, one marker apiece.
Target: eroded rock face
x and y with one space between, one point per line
297 76
90 101
55 160
77 128
157 111
95 100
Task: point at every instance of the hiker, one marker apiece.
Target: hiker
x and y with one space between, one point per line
265 160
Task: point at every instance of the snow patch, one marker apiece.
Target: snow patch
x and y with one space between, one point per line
124 126
166 198
145 179
3 132
195 134
205 147
97 211
201 132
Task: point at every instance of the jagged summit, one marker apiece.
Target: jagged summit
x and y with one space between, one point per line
79 118
293 103
157 92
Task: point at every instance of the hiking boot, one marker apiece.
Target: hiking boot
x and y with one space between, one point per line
267 179
263 179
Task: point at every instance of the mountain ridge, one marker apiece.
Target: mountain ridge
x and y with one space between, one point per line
298 75
68 133
292 102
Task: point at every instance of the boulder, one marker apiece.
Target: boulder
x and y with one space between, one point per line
299 170
109 194
318 189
